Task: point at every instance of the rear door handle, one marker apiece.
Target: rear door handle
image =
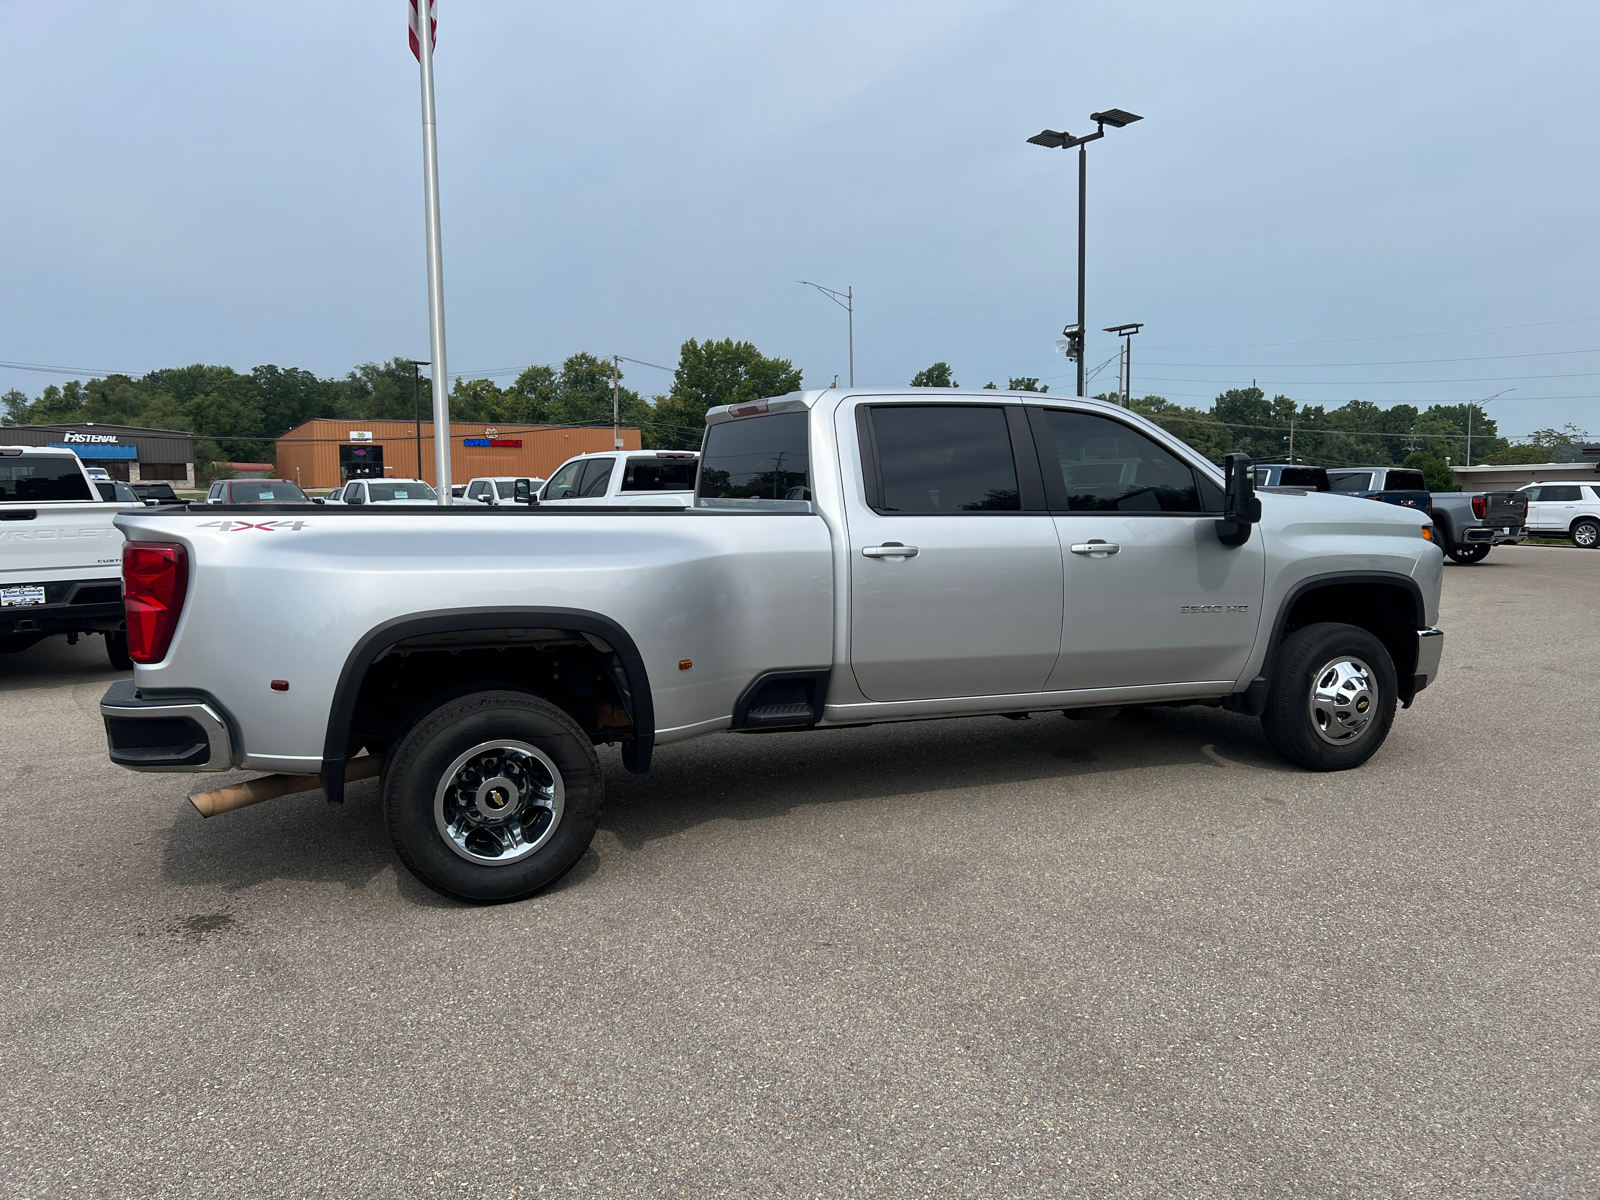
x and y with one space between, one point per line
1096 548
889 550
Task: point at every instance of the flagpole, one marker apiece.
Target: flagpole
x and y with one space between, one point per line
423 10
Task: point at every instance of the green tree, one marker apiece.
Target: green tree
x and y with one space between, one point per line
477 400
1199 429
1026 384
16 407
1541 446
1435 471
385 392
58 405
710 374
937 376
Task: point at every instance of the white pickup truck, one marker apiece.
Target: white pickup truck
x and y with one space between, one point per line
850 557
60 555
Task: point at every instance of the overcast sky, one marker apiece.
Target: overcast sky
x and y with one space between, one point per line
1320 196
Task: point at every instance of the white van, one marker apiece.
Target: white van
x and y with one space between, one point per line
625 477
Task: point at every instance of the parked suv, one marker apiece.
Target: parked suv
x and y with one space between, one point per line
1565 510
256 491
625 477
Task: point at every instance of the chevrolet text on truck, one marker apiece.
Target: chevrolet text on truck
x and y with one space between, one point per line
850 557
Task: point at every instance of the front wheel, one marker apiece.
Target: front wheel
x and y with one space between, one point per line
1332 697
492 796
1586 534
1472 552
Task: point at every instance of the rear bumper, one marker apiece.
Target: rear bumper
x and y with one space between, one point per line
1430 646
1501 536
71 606
167 733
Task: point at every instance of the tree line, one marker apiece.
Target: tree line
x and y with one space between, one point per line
235 416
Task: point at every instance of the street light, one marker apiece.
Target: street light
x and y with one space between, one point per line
1059 139
1126 332
1470 403
847 301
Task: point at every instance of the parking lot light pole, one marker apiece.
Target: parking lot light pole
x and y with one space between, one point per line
847 301
1126 332
1053 139
1470 404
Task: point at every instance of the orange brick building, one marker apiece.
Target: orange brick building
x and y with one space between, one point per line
324 453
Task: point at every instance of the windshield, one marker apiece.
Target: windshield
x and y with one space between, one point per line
38 478
379 492
757 458
265 492
507 488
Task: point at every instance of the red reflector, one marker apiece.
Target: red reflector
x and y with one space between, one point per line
1480 507
280 685
155 579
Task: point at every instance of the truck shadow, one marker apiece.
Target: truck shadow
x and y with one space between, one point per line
756 777
741 778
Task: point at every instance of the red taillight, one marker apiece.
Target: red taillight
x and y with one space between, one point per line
1480 507
155 579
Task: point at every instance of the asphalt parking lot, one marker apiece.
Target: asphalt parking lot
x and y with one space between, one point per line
1134 958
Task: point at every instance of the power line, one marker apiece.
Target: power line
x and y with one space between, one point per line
1387 337
1398 362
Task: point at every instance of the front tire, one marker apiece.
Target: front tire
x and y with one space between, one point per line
1586 534
492 796
1472 552
1332 697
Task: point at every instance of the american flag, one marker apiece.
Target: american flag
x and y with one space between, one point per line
415 29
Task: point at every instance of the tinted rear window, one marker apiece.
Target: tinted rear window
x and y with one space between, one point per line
1353 481
34 479
756 458
1404 481
660 475
1314 478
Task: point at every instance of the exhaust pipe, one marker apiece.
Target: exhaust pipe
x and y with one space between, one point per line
270 787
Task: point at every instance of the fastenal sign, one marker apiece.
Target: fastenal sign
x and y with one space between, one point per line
100 438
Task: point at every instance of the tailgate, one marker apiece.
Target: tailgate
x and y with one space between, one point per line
1506 508
47 541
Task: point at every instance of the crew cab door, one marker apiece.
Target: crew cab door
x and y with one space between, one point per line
1151 595
972 607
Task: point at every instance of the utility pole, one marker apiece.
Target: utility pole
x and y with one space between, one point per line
1124 359
616 404
416 408
1470 406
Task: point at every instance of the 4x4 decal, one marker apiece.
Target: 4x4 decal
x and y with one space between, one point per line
269 526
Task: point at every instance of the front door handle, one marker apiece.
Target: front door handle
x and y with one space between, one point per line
1095 548
892 550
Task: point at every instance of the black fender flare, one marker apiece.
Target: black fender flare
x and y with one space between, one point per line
630 675
1253 700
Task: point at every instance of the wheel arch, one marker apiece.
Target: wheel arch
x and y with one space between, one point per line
633 686
1386 604
1592 518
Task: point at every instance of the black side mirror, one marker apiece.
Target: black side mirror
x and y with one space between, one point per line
522 492
355 498
1241 507
318 500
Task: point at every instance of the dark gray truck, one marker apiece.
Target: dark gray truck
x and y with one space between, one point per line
1469 523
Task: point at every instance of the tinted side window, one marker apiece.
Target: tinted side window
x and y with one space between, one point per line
944 458
1561 492
659 475
596 478
1314 478
1354 481
563 484
1404 481
1108 467
756 458
1531 493
477 490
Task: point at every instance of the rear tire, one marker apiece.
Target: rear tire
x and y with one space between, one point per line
1586 534
1472 552
117 651
492 796
1332 697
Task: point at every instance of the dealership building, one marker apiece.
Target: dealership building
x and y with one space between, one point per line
324 453
126 451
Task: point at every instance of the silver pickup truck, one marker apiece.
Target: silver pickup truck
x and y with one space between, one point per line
850 557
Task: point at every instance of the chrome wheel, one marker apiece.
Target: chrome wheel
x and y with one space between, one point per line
1343 700
1586 534
499 802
